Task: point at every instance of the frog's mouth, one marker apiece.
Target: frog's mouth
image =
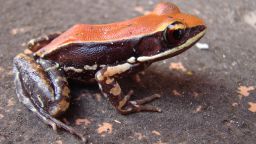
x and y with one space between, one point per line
195 35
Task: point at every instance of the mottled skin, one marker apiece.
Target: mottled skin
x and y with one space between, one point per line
104 53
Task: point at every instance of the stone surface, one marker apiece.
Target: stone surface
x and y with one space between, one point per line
202 103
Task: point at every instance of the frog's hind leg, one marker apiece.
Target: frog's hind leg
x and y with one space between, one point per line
43 89
37 43
109 86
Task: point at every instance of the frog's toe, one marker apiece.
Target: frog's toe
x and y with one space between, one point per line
148 108
138 105
146 100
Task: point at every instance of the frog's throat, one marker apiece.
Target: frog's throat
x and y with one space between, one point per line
188 43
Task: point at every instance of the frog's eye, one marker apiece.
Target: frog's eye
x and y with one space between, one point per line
174 34
177 34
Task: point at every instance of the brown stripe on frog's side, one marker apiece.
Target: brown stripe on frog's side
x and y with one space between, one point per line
91 53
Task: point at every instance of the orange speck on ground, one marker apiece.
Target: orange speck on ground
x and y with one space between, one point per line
244 91
140 136
198 109
234 104
176 93
58 142
1 69
10 102
1 116
105 128
141 10
178 66
84 121
19 30
252 107
10 73
156 132
7 72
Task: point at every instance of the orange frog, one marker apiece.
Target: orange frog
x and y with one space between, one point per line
104 53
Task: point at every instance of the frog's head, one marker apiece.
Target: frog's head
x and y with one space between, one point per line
180 32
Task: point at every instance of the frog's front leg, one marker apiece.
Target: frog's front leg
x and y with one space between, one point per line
109 86
42 87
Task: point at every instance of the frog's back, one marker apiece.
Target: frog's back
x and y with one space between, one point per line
107 33
115 31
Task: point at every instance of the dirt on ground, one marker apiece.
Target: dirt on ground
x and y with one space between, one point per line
208 94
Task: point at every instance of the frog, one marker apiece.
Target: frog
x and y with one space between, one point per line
104 53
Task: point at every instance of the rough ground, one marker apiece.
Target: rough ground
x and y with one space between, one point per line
208 96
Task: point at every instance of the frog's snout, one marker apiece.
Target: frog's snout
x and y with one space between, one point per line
196 30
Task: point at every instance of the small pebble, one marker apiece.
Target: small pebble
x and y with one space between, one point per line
202 46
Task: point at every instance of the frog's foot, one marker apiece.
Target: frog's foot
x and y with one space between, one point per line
43 89
127 107
110 88
37 43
